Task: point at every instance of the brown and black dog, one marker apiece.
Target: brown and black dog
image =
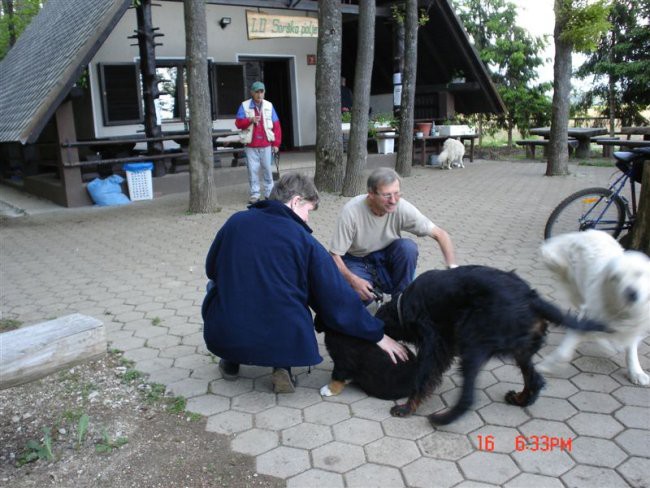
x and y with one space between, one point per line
471 312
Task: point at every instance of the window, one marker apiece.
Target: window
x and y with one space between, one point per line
228 89
122 87
121 101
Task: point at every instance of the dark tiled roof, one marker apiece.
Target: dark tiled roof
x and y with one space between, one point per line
40 69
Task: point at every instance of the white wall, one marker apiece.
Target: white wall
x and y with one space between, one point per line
224 45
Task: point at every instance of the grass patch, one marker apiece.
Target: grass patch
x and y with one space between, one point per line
9 324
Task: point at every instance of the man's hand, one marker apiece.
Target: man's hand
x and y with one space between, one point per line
393 348
362 287
275 149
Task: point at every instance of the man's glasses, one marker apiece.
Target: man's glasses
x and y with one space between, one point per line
388 196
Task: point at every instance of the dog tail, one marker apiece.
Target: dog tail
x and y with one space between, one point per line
553 314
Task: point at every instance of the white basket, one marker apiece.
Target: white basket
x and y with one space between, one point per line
140 185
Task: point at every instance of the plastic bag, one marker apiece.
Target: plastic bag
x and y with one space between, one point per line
108 191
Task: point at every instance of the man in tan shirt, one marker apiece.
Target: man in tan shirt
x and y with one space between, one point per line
367 245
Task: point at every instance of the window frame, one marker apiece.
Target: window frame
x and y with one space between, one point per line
101 67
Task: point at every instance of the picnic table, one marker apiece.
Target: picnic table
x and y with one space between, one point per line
426 145
582 134
636 131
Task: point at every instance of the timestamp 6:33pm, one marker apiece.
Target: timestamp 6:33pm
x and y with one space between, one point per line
533 443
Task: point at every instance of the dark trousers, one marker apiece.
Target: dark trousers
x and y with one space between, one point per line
390 269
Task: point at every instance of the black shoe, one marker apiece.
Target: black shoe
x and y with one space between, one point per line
229 370
283 381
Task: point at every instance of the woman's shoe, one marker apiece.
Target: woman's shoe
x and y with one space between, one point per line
229 370
283 381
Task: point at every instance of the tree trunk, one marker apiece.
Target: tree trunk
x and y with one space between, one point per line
353 183
398 59
329 138
146 44
641 229
404 161
203 195
558 156
611 91
8 8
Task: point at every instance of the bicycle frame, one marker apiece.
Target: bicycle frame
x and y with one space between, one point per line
587 223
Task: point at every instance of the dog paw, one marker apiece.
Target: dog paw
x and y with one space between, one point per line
400 410
325 391
516 398
640 378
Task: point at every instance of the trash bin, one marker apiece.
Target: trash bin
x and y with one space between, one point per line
138 179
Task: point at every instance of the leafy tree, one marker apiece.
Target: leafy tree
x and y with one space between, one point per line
620 65
513 56
15 16
203 196
329 138
578 26
358 144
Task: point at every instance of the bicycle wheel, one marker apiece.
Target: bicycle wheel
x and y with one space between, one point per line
591 208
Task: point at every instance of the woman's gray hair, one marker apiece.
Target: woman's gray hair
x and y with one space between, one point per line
292 184
382 177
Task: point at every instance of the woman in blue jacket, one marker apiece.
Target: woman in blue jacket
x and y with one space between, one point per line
266 271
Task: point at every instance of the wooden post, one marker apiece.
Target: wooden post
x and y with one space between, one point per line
146 43
74 192
29 353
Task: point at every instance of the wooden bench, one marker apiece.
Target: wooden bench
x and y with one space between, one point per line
607 147
622 143
530 145
29 353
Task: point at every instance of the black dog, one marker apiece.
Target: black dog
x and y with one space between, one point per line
367 365
474 312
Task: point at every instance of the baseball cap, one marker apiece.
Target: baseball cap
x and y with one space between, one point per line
258 85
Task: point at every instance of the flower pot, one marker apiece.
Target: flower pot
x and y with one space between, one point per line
424 127
386 145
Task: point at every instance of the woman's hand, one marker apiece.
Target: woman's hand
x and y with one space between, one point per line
393 348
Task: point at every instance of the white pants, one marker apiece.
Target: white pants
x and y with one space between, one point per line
256 158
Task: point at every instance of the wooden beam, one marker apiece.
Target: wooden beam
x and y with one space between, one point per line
29 353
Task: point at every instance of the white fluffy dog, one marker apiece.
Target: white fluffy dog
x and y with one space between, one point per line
452 154
607 284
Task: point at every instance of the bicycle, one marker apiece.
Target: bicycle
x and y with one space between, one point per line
605 209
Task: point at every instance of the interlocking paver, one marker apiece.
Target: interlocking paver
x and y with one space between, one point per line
338 457
635 441
587 476
373 475
502 468
598 452
595 424
255 441
283 462
327 413
278 418
392 451
316 477
426 472
151 310
306 436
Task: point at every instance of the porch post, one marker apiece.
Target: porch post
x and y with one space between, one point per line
74 192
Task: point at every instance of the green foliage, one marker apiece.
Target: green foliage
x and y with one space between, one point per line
177 405
82 428
38 450
156 321
399 15
583 22
107 444
14 23
346 117
621 65
513 57
9 324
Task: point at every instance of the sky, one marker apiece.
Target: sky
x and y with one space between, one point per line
538 18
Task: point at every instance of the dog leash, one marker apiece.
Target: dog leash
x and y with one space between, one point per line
399 309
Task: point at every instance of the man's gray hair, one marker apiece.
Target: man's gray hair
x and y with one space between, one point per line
292 184
382 177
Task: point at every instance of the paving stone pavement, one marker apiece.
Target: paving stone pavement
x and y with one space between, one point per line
139 268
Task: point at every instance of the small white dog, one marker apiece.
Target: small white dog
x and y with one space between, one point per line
606 284
452 154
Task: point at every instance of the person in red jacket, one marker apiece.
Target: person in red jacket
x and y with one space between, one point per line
262 135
